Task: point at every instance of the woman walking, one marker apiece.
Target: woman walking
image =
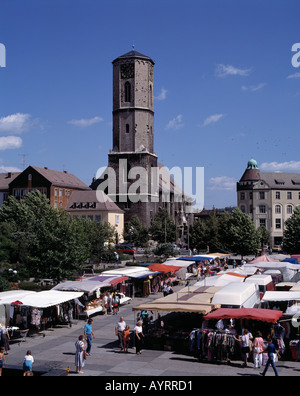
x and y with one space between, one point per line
138 332
258 348
79 355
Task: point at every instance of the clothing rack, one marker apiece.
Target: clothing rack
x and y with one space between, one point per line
211 344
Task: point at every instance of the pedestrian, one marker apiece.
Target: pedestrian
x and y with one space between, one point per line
126 338
109 303
244 339
27 364
4 339
138 332
2 359
272 352
80 354
120 327
89 335
258 348
115 304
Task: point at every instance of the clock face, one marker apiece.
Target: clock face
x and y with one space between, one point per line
127 70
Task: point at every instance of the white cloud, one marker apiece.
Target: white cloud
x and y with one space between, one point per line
176 123
15 123
222 183
10 142
162 95
5 169
229 70
212 119
280 166
86 122
253 88
295 75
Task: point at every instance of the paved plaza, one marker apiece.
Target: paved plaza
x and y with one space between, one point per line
56 351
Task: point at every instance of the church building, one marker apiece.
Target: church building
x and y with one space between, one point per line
134 177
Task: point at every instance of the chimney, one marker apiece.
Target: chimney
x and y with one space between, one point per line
29 182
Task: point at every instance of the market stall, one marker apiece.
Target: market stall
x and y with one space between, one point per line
39 309
237 295
140 279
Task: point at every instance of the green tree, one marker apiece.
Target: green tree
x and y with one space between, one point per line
163 228
139 233
264 235
291 235
241 235
48 243
197 236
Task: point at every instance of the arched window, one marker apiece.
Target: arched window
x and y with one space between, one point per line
127 92
277 209
289 209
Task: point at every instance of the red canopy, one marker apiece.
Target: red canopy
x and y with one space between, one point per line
115 281
263 315
163 268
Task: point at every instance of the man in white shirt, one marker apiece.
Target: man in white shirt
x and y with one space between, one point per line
120 327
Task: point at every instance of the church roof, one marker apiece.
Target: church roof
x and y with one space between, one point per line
134 55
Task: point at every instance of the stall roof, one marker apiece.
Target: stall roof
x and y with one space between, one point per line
281 296
181 302
131 272
179 262
234 293
49 298
85 286
13 295
163 268
203 257
264 315
221 280
259 279
107 281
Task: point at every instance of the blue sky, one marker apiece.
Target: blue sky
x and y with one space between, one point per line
224 85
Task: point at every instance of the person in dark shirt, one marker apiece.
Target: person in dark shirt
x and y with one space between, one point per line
271 350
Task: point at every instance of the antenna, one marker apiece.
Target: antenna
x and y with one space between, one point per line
23 162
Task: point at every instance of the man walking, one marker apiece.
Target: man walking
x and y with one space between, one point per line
89 335
120 327
271 350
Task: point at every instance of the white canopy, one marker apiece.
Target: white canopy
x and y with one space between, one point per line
82 285
288 270
49 298
131 272
220 280
8 297
234 294
281 296
179 263
259 279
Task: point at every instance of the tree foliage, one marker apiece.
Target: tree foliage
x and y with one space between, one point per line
163 228
45 240
291 235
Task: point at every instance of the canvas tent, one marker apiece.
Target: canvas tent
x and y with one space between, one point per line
289 271
221 280
46 299
181 302
264 315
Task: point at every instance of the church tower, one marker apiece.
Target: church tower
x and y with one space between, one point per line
133 133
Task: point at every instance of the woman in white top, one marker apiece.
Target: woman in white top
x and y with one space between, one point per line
138 333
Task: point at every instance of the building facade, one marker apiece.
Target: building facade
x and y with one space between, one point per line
269 198
133 147
97 207
56 185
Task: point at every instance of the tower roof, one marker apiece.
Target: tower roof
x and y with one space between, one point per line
252 172
134 55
